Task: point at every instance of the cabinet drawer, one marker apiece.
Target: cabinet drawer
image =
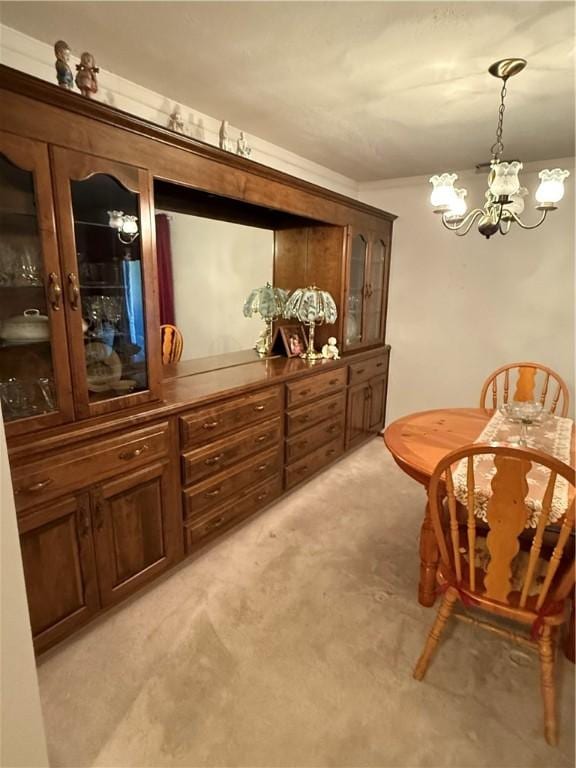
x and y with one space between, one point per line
299 420
313 438
204 424
314 386
70 470
207 461
214 491
367 369
310 464
218 520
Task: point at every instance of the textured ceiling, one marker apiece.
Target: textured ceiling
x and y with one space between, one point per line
373 90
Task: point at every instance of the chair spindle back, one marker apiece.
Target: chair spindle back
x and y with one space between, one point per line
533 382
507 517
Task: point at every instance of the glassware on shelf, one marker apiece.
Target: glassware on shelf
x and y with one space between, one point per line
15 402
48 391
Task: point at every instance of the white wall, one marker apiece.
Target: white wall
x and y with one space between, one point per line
36 58
215 265
462 306
22 740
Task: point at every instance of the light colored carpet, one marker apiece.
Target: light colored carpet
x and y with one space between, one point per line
291 643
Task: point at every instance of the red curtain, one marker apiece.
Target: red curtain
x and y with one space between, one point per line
165 279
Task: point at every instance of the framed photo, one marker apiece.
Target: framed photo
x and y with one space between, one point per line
291 340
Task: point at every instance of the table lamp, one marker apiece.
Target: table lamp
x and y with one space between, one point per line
312 307
268 302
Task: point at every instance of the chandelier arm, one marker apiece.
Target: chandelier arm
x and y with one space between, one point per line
529 226
504 226
466 222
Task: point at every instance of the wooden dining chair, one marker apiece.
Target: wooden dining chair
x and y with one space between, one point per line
531 586
533 382
172 343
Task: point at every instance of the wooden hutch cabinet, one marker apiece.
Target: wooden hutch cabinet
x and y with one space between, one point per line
121 466
367 275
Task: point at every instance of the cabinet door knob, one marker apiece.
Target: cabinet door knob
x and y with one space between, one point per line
261 468
35 487
73 291
210 424
261 438
127 455
210 494
259 407
211 460
54 291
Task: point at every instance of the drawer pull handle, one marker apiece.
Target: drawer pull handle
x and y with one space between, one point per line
332 382
210 425
360 370
211 460
261 438
305 392
303 468
331 452
127 455
259 407
379 365
261 468
333 428
35 487
302 443
305 417
215 523
262 496
210 494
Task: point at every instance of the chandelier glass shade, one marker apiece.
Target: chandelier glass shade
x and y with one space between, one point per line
312 307
504 198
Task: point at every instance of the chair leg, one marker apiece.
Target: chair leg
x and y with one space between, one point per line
444 612
546 651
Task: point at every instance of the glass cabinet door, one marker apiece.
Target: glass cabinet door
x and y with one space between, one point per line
375 290
356 290
104 209
35 385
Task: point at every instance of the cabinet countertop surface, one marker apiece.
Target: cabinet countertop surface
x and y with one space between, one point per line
183 388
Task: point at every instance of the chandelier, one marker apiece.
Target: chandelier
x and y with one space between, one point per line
504 197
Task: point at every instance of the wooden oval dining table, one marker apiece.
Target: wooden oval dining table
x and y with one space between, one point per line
417 442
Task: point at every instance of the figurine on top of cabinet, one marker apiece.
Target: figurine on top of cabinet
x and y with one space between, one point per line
176 123
330 350
225 141
86 75
63 71
242 147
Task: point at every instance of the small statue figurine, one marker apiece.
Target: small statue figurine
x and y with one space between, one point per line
262 345
63 71
242 147
225 142
330 350
86 75
176 123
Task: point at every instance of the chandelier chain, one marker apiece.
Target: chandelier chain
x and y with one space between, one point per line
498 147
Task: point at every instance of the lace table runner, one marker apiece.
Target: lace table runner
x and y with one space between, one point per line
554 436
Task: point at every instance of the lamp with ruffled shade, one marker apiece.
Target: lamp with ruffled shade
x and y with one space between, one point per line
268 302
311 306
